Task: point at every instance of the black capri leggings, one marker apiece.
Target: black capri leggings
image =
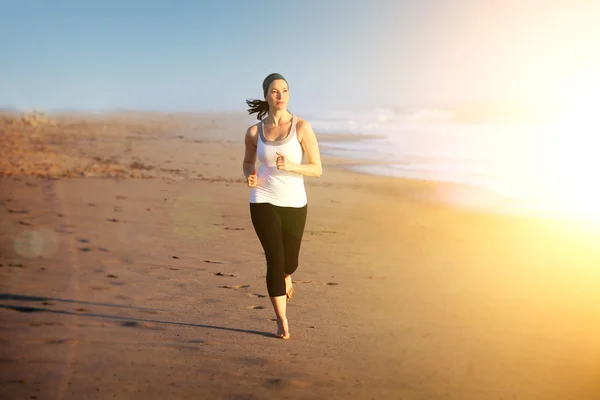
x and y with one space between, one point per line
279 230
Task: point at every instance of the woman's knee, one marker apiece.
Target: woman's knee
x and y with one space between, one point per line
275 284
291 267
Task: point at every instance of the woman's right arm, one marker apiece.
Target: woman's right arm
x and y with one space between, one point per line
249 165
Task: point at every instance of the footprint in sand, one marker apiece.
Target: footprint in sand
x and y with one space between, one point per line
25 223
135 324
213 262
233 229
62 341
332 284
112 220
278 383
121 197
175 257
12 211
256 308
96 288
235 286
82 309
43 324
174 269
222 274
260 296
85 249
111 276
47 303
83 240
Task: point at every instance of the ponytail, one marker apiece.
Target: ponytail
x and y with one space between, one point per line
258 106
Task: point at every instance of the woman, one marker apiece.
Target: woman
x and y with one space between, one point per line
278 203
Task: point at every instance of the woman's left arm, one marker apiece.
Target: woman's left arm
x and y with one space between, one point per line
311 149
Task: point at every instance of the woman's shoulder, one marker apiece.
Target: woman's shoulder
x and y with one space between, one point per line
302 127
251 136
302 124
252 130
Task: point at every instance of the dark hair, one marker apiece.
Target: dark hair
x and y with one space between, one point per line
258 106
261 106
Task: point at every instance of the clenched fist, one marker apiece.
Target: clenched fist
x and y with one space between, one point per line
282 162
252 180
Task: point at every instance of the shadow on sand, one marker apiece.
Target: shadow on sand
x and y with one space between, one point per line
28 309
20 297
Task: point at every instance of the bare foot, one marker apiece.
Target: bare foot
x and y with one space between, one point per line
283 331
289 287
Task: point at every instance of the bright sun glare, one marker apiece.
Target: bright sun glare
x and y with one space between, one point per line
557 162
570 163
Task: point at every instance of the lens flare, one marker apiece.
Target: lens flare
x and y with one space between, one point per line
195 217
36 243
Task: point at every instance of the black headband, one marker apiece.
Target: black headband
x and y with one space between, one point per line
270 79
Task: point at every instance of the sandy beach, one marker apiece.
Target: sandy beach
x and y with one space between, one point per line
129 269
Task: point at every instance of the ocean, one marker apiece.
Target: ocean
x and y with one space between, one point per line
527 168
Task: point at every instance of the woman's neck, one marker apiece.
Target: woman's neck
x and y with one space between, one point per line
279 117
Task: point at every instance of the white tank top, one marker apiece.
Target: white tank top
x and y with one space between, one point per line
275 186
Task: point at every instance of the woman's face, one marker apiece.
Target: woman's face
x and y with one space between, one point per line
278 95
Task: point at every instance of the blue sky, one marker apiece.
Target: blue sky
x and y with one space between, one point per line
212 55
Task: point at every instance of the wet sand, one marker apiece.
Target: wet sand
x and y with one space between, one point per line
129 269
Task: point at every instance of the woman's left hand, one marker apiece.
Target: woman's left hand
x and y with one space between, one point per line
283 163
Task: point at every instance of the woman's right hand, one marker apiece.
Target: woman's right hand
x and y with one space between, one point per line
252 180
